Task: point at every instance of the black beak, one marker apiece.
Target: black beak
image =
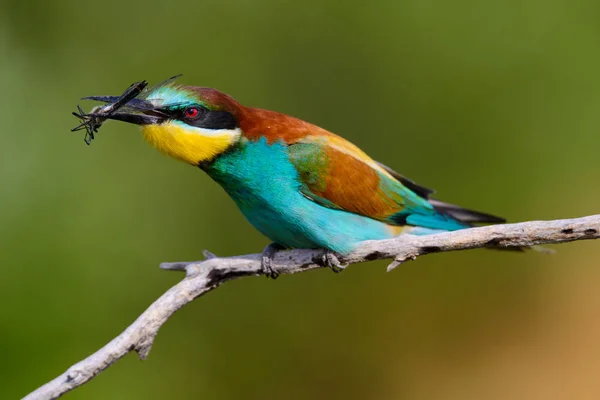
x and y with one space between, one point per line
124 108
134 111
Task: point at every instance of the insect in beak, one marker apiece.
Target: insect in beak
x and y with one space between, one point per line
123 108
131 107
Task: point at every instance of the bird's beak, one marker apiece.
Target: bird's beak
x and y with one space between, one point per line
134 111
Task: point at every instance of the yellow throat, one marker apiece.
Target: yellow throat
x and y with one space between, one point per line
188 143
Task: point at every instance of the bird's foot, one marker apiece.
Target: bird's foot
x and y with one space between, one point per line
267 259
331 260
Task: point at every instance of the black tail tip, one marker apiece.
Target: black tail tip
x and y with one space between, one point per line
465 215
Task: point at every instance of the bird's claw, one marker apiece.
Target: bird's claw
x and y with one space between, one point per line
330 260
267 260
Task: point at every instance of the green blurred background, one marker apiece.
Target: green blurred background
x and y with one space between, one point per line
494 104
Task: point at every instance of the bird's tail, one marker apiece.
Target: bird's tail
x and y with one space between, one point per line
464 215
447 217
452 217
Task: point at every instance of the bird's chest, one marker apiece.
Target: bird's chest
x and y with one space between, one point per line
257 174
265 186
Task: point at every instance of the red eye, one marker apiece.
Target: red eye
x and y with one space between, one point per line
192 112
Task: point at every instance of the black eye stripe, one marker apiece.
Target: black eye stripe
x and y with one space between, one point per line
214 120
208 119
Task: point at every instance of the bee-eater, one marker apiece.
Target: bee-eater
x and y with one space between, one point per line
298 184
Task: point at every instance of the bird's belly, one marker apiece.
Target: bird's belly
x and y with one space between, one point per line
300 223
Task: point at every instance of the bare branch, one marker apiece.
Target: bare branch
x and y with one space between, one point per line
204 276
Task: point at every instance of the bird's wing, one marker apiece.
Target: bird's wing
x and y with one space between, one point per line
337 174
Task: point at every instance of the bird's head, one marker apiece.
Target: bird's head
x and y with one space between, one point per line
192 124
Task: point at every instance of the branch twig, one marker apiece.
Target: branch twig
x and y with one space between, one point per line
204 276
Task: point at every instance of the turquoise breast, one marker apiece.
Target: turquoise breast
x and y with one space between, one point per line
265 186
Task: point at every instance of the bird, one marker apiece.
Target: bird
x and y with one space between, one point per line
298 184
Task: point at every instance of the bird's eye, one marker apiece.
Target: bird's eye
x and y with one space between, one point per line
192 112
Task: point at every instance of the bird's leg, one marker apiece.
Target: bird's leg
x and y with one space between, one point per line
331 260
267 258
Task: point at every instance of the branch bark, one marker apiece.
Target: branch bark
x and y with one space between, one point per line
204 276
